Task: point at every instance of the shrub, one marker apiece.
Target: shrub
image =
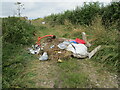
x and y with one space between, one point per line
16 30
85 14
111 14
81 15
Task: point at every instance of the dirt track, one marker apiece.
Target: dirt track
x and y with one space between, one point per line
45 73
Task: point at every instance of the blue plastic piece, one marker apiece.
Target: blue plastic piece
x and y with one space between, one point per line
73 42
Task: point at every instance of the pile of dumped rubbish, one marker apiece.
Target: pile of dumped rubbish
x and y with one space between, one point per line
52 48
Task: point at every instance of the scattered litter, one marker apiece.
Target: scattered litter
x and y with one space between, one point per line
63 45
61 48
43 22
59 60
52 46
66 42
44 57
33 46
59 52
80 41
31 51
35 49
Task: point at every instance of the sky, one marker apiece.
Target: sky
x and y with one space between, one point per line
41 8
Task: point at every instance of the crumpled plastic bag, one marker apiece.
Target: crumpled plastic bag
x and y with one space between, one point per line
44 57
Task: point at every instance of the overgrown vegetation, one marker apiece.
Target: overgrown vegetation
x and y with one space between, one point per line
108 38
16 34
16 31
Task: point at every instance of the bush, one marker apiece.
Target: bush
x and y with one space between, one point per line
81 15
111 14
85 14
16 31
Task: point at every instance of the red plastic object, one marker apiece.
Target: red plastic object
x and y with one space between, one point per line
39 38
80 41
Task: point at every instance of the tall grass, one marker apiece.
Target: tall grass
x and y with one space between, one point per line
108 38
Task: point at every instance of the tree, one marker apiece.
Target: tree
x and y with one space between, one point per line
20 6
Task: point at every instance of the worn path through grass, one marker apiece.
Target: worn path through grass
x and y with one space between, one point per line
50 74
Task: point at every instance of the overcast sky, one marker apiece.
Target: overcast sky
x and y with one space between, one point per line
40 8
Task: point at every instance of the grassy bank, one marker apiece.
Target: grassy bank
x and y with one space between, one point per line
17 34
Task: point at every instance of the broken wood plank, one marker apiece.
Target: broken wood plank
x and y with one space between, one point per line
94 51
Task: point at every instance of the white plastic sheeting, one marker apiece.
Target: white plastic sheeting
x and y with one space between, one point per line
80 49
